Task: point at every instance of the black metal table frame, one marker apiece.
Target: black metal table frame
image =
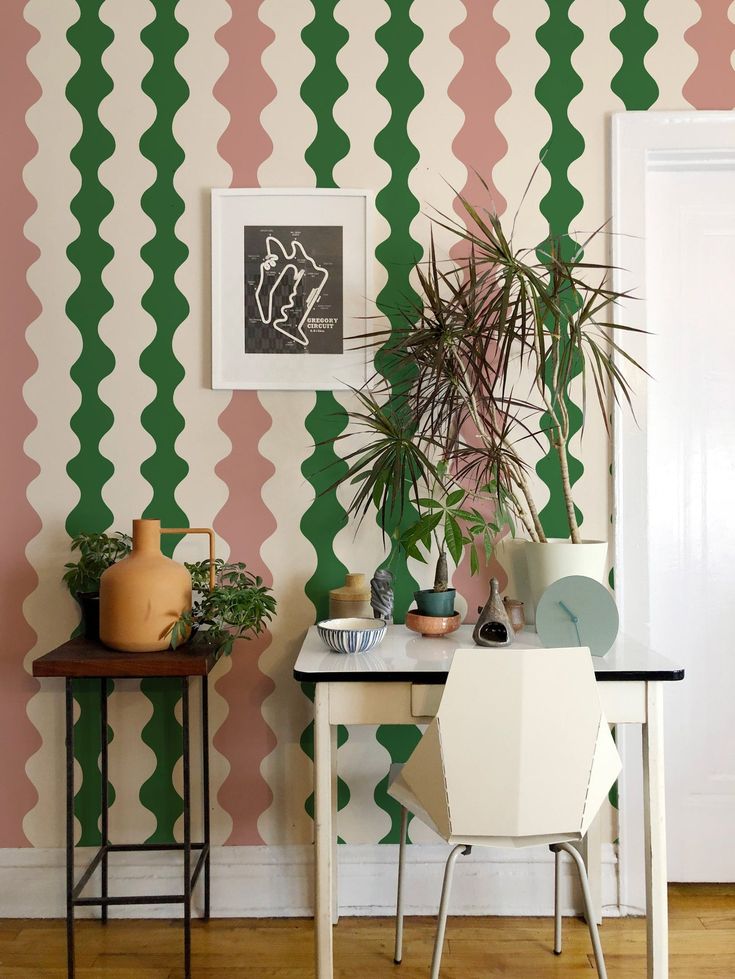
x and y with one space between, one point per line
100 859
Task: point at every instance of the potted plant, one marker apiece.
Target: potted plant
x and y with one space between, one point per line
239 606
486 357
434 515
97 552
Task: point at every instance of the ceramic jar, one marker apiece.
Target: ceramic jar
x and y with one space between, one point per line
143 595
352 600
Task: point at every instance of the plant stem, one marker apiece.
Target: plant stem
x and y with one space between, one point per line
530 521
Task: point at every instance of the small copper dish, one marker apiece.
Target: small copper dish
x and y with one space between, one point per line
432 626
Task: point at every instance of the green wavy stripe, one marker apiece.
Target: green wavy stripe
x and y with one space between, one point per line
555 90
634 37
403 91
325 517
164 469
87 305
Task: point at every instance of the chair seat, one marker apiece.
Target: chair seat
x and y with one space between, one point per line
399 790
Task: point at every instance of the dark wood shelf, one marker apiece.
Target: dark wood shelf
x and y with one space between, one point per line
87 658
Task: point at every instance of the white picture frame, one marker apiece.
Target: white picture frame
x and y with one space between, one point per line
291 279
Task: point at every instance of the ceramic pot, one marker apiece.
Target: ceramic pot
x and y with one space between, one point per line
547 563
89 603
143 595
514 608
493 628
352 600
432 626
430 602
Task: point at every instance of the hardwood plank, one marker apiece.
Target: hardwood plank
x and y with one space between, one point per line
702 946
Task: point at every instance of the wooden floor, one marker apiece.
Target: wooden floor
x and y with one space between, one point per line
702 946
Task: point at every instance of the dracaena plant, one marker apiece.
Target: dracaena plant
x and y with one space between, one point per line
485 357
238 607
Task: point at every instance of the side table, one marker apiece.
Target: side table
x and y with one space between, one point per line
87 659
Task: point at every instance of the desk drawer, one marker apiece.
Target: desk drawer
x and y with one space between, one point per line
425 698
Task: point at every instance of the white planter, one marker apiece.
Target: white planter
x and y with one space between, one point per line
546 563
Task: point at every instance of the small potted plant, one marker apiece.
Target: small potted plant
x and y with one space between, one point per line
97 552
238 607
434 515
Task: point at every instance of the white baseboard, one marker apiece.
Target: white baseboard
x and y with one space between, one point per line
276 881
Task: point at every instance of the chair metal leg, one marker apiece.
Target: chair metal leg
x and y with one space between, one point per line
557 901
398 954
444 907
588 909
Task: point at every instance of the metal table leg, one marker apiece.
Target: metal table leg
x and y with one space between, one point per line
104 820
205 789
69 829
187 827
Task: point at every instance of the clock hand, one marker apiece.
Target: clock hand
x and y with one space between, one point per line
575 620
569 612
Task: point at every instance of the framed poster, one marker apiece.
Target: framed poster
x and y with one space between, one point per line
290 286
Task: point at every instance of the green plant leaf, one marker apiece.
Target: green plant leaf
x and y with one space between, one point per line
453 538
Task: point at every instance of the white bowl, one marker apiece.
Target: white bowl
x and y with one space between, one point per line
352 635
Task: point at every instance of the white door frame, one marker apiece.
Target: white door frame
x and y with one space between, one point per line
643 142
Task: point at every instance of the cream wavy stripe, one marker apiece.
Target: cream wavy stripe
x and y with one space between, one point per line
596 61
363 761
435 122
522 120
197 128
50 393
289 122
291 126
291 558
671 60
432 128
131 762
221 823
127 330
526 127
362 113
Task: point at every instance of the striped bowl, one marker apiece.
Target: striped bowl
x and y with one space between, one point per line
352 635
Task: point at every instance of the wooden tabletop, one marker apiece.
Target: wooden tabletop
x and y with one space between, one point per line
87 658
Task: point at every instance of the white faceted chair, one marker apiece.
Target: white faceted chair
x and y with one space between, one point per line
519 754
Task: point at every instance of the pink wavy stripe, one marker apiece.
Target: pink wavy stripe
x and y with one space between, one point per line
18 308
244 521
245 89
712 83
479 89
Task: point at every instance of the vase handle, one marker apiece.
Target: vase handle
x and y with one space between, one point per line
198 530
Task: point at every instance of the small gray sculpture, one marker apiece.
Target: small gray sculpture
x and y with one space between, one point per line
381 595
493 628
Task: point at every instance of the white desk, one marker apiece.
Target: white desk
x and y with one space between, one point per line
401 682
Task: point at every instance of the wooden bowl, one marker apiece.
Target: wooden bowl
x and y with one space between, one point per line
432 626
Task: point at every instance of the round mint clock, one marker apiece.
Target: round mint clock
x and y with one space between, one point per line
577 611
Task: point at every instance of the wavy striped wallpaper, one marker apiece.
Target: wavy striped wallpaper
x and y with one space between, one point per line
117 118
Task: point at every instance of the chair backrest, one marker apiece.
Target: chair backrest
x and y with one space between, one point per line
519 749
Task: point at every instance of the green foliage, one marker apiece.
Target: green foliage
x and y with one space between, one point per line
97 552
238 607
489 348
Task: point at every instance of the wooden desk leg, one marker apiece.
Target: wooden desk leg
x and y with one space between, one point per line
323 832
335 835
655 834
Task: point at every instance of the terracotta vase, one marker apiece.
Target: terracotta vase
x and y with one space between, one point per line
143 595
